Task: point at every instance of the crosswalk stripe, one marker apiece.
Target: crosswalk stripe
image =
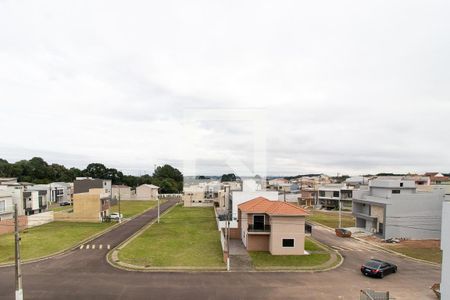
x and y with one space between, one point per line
81 247
87 246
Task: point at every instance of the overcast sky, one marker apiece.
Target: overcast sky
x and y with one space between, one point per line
342 86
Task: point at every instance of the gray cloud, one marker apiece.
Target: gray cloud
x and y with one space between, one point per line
346 87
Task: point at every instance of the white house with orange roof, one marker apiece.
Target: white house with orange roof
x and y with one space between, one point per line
274 226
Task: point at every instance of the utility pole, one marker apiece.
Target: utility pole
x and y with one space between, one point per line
120 215
19 290
228 241
340 217
158 209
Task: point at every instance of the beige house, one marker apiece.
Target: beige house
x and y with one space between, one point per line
121 191
87 207
147 192
274 226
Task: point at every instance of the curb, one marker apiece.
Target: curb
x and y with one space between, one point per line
71 248
383 248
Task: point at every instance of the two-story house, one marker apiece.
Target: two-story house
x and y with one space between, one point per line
330 196
392 207
274 226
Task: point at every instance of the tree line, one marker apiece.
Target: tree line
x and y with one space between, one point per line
38 171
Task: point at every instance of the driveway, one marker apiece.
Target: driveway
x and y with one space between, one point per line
85 274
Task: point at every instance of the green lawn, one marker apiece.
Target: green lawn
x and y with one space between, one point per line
185 237
131 208
263 259
48 239
433 254
331 219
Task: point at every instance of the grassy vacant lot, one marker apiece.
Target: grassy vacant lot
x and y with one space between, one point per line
48 239
331 219
426 250
263 259
131 208
185 237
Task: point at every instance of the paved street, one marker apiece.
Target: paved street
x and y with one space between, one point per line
85 274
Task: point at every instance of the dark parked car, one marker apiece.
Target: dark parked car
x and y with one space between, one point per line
378 268
65 203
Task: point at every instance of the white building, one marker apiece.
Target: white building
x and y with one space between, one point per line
147 192
330 195
250 190
6 205
394 208
445 246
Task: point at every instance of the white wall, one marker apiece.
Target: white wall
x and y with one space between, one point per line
445 246
39 219
241 197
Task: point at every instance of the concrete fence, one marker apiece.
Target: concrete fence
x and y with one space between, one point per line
40 219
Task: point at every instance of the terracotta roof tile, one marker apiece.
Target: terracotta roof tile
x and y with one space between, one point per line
275 208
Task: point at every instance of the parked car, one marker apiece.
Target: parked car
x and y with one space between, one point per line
115 216
341 232
65 203
378 268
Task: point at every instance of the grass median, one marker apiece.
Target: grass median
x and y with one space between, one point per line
185 237
48 239
318 257
130 208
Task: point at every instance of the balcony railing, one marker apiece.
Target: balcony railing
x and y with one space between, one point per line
258 228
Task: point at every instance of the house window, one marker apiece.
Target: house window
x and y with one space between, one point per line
395 191
288 243
401 184
2 206
322 193
336 194
258 222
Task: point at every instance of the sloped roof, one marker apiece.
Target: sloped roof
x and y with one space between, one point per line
150 186
273 208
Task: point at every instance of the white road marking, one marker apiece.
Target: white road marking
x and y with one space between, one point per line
87 246
81 247
93 247
108 247
100 247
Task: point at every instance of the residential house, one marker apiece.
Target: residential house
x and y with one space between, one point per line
84 184
91 206
274 226
445 246
309 188
122 192
438 178
330 196
35 201
392 207
203 193
61 192
6 205
147 192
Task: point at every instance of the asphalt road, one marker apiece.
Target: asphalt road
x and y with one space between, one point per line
85 274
